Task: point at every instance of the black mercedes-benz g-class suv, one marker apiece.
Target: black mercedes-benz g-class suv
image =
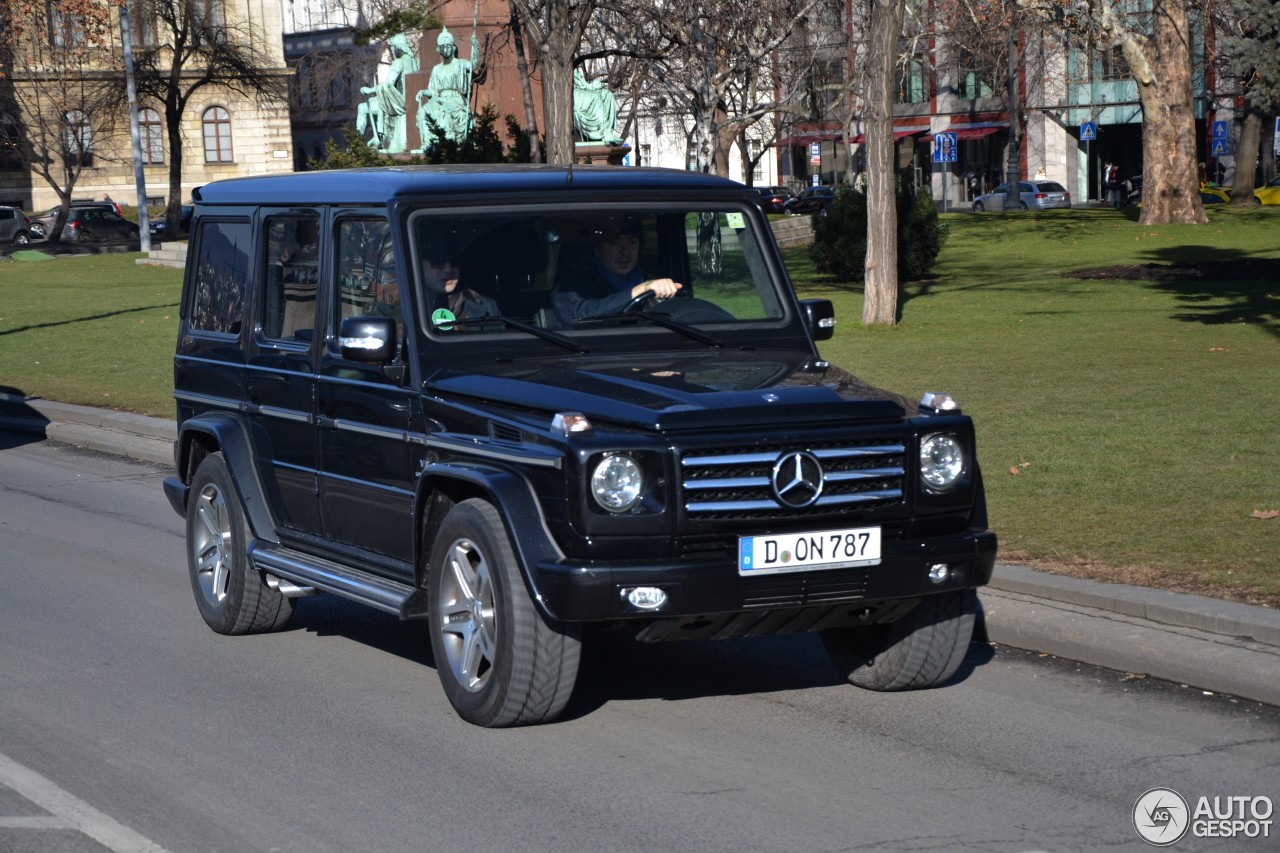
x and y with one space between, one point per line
523 403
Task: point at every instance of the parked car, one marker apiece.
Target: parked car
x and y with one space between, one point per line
1214 195
815 200
1033 195
42 224
96 225
1269 193
516 464
156 226
774 199
15 227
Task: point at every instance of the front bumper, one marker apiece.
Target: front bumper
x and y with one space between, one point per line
595 592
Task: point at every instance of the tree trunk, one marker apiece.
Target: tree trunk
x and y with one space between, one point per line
881 282
526 87
1247 159
173 205
1170 183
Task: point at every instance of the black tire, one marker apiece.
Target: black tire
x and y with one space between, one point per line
978 207
500 663
922 649
21 239
1023 206
233 597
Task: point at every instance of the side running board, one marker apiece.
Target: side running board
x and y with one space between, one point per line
305 570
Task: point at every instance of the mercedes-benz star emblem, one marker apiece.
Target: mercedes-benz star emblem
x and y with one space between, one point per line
797 479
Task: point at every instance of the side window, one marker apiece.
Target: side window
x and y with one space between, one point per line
368 284
291 276
219 275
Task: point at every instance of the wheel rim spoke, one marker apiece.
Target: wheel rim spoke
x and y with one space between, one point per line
211 544
467 615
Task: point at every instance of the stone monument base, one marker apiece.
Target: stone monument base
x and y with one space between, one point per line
599 153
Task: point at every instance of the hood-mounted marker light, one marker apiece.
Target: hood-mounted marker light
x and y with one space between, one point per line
569 423
935 401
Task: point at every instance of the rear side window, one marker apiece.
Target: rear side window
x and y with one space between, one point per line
219 275
292 274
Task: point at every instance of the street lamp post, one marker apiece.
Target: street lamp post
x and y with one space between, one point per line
1013 172
139 178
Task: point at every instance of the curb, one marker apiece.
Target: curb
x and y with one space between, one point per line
1214 645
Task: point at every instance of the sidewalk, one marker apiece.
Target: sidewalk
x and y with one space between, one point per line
1201 642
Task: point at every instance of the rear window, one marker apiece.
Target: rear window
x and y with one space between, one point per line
219 274
1051 187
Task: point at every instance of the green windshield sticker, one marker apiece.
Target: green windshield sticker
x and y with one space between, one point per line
443 319
736 221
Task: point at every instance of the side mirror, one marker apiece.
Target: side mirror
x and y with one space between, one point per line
370 340
820 315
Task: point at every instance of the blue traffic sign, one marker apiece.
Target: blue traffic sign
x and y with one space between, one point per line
1219 130
1220 148
1088 131
944 147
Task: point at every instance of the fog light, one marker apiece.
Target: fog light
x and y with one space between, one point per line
645 597
939 572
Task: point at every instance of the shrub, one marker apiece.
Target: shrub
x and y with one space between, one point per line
840 238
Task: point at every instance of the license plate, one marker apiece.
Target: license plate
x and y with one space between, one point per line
805 552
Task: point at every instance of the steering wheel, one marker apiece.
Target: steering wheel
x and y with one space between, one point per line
637 302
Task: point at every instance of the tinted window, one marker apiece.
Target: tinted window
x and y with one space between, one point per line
291 276
219 275
368 283
6 214
1051 187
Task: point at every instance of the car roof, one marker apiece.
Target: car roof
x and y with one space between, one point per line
463 183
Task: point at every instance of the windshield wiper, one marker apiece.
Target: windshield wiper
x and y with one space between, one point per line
662 320
528 328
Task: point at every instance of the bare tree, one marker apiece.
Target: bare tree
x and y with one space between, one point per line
1156 44
62 62
555 28
192 46
723 49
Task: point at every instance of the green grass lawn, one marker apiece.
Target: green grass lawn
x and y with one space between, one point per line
1128 428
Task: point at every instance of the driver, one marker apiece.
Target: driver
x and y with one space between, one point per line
610 280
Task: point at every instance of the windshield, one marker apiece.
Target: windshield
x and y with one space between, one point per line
664 270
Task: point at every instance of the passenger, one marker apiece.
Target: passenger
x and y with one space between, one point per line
610 279
444 292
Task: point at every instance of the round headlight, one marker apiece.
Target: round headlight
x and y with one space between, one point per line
941 461
617 482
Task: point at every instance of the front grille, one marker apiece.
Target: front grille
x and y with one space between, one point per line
737 482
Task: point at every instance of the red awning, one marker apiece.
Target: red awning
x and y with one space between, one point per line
898 134
975 132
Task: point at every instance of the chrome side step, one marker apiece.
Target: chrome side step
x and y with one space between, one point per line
296 573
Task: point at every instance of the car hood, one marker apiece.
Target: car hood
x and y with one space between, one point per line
673 393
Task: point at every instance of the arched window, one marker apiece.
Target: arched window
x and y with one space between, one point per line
149 130
77 139
216 122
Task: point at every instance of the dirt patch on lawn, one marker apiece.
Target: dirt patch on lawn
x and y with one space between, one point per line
1252 269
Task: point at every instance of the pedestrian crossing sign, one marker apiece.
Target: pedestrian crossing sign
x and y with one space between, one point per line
1088 131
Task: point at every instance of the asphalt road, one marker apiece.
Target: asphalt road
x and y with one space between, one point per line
125 724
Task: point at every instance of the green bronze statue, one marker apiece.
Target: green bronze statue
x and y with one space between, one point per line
447 98
382 114
595 112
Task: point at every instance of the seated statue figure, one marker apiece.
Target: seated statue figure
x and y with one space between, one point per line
595 111
447 98
383 113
